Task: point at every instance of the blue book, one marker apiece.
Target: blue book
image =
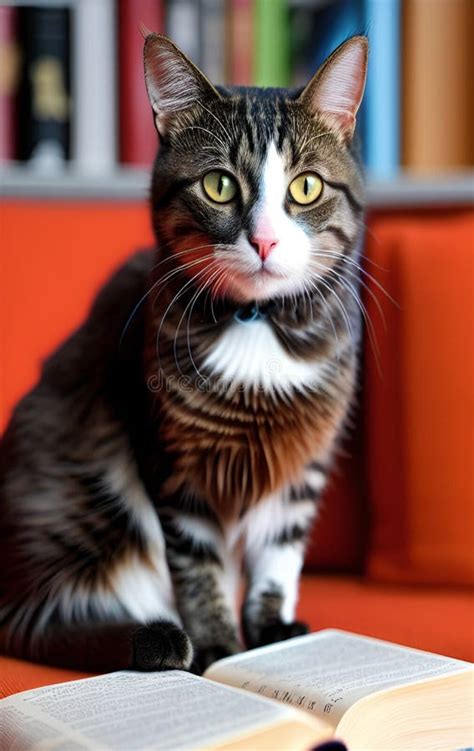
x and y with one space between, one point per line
382 95
333 24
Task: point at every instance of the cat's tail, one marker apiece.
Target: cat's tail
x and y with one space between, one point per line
96 647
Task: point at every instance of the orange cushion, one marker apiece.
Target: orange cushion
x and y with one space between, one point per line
419 411
54 257
17 675
438 619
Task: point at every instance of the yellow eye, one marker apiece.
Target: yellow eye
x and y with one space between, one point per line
219 186
306 188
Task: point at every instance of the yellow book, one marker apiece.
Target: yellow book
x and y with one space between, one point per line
437 106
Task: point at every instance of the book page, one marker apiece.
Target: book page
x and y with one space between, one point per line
130 711
326 672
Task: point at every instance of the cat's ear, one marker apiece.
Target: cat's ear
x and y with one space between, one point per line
336 90
173 82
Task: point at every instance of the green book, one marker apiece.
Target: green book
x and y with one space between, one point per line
272 43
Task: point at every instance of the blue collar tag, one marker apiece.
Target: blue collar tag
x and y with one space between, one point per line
249 314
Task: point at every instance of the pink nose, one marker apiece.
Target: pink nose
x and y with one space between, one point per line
263 245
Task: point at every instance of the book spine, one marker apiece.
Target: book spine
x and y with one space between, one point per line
437 81
240 42
184 27
44 116
94 129
213 24
272 43
138 138
333 24
9 59
382 94
303 37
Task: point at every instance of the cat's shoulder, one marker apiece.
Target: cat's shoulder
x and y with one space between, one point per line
114 319
127 280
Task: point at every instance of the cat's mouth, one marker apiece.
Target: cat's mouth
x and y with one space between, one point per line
264 271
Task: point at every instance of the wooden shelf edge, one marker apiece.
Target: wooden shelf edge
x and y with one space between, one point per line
413 191
123 183
133 184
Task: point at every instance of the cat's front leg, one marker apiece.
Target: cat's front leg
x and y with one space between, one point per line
203 580
273 566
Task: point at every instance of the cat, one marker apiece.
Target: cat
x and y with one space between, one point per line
182 436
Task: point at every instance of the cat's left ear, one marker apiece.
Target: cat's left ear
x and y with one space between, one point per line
336 90
173 82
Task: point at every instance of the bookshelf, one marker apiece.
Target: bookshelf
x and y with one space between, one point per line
128 183
110 141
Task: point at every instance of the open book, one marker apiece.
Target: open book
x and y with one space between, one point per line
290 696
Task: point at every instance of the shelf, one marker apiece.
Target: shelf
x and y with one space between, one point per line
133 184
123 183
408 190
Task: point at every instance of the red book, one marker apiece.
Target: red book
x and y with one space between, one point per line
241 42
9 63
138 139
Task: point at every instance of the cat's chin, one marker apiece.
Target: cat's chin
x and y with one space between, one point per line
262 287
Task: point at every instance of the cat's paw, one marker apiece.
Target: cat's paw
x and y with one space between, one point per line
280 631
161 645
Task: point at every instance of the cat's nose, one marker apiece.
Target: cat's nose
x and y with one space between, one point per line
263 245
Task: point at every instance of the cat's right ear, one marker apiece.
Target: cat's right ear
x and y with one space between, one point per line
173 82
335 91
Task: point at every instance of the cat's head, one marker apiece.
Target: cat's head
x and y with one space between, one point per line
256 192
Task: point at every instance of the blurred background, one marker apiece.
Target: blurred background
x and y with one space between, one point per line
393 547
72 95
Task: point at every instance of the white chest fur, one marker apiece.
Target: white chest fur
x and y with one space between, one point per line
250 354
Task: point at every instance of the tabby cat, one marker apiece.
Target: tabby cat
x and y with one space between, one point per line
182 435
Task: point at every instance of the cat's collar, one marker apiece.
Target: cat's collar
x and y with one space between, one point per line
254 311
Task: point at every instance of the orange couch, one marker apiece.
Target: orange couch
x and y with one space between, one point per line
391 556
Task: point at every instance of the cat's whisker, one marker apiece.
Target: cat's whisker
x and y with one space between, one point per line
183 267
324 302
368 322
215 290
345 315
346 259
159 282
194 298
355 275
207 283
173 301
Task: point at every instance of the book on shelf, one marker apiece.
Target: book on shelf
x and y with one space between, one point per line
81 95
9 69
213 40
331 24
368 693
138 138
94 105
240 42
183 27
382 94
271 43
44 111
438 100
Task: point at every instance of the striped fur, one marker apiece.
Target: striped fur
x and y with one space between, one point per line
169 445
